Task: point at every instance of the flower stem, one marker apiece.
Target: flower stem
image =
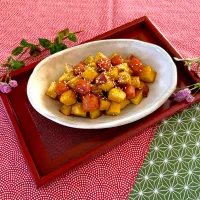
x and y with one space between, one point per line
186 59
4 62
196 92
23 53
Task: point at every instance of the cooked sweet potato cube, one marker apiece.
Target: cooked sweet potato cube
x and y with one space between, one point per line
135 65
124 103
51 91
90 102
114 109
92 65
82 87
61 87
130 91
99 56
123 67
117 60
117 95
145 89
68 68
104 104
124 78
95 114
95 89
66 110
130 56
113 73
89 74
107 86
138 97
77 110
78 69
147 74
135 81
73 81
103 64
66 76
68 98
114 54
89 60
101 79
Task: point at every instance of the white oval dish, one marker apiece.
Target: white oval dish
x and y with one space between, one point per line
52 67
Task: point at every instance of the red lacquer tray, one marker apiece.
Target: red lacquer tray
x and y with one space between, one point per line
51 149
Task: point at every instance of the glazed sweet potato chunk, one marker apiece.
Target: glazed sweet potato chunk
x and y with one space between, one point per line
68 98
77 110
66 110
104 104
61 87
138 97
116 60
51 91
130 91
147 74
104 64
90 102
117 95
82 86
95 114
135 65
78 69
114 109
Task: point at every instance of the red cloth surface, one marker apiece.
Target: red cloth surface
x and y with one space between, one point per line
111 175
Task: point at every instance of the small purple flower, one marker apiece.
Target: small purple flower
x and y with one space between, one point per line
5 88
182 94
189 98
3 83
13 83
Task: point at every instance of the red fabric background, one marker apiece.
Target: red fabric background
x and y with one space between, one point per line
112 175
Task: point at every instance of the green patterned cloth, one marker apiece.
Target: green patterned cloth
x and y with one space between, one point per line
171 169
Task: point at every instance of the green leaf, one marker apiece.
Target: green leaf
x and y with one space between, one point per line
16 51
17 64
72 37
55 47
63 33
24 43
34 51
44 42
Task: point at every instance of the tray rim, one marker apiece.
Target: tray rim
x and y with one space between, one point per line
30 162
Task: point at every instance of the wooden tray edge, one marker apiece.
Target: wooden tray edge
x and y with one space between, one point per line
27 156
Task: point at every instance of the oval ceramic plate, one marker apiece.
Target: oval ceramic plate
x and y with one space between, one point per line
52 67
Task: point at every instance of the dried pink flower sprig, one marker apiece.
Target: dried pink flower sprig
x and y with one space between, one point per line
193 64
7 87
186 93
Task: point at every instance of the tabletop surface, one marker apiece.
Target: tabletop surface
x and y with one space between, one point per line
112 175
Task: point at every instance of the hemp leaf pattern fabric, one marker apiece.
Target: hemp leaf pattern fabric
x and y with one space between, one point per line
171 169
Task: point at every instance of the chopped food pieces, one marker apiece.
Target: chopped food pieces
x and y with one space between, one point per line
101 85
